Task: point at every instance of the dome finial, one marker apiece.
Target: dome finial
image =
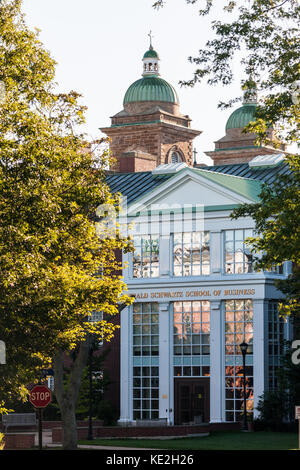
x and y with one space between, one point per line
250 90
150 36
151 59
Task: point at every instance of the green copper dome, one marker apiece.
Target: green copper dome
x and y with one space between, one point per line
151 53
241 116
151 88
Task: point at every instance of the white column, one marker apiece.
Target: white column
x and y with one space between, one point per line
216 363
260 350
125 368
165 380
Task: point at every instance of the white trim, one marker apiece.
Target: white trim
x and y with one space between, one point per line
164 354
125 368
216 363
260 351
175 182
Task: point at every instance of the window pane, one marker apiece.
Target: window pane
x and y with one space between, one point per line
191 255
145 259
235 328
238 258
191 335
145 379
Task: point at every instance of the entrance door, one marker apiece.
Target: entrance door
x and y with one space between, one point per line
191 401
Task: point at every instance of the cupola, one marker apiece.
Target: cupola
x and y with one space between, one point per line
151 88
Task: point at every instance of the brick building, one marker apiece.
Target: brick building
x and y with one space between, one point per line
197 293
150 130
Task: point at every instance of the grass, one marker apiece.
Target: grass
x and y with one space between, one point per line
229 440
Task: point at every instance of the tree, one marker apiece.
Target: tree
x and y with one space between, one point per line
277 222
265 36
276 407
55 270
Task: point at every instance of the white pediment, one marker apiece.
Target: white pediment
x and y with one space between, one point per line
189 189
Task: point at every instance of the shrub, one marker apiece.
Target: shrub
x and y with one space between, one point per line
106 411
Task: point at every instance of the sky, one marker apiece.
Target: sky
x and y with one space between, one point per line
98 46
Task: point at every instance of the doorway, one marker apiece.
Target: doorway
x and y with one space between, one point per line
191 401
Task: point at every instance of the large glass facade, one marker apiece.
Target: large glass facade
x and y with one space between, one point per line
145 393
191 254
238 257
275 342
191 338
238 329
145 329
146 256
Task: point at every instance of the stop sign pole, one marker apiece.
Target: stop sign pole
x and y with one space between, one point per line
40 397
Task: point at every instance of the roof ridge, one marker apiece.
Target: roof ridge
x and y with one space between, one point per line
224 174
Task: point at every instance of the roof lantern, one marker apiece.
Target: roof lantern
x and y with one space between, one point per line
151 61
151 87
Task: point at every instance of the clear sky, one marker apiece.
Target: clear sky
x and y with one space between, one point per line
99 46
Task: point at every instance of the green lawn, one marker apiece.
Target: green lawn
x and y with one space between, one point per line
229 440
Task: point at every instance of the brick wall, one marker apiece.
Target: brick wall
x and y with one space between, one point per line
151 431
149 135
239 147
136 161
148 146
238 156
19 441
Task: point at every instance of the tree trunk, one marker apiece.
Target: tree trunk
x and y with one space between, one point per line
70 437
67 394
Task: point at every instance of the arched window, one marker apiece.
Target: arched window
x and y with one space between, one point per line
175 157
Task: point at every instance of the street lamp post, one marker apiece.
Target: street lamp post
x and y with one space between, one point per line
244 347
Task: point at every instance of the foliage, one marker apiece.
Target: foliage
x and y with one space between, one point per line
100 381
101 409
277 407
54 268
2 443
264 36
106 411
273 409
277 222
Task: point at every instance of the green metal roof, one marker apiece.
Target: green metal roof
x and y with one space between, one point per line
134 185
151 53
151 88
248 183
246 187
264 174
241 116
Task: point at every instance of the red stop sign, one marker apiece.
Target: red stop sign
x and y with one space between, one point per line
40 396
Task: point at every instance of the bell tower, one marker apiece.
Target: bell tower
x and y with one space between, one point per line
150 129
237 146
